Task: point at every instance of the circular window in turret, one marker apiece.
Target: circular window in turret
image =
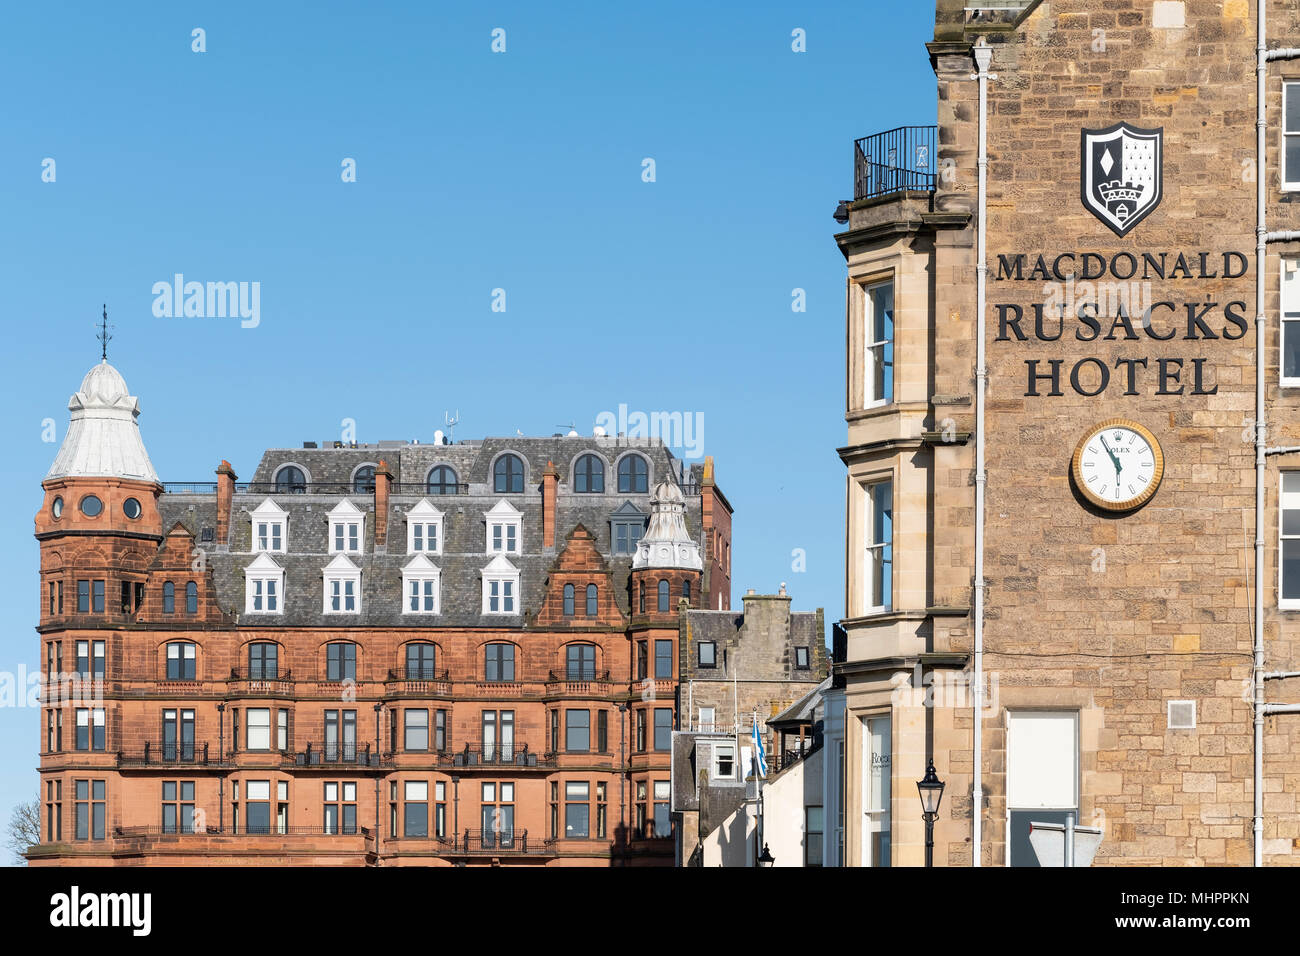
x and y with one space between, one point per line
131 508
56 507
91 506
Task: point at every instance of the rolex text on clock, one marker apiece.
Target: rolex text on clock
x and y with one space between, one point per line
1117 465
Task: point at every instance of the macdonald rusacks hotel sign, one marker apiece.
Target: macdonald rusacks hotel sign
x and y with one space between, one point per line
1091 297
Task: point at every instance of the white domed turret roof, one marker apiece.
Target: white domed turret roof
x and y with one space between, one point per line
103 384
667 543
103 438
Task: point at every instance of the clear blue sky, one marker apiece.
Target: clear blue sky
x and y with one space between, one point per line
475 171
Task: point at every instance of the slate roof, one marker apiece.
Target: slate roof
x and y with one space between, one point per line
464 530
804 710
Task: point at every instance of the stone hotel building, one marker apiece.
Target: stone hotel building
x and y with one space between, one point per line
1073 409
438 654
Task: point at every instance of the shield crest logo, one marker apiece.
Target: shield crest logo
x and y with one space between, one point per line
1120 174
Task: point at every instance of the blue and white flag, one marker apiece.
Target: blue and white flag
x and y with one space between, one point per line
760 757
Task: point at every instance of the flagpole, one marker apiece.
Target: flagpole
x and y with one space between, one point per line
758 774
758 790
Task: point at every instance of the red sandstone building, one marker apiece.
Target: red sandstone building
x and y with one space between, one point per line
402 654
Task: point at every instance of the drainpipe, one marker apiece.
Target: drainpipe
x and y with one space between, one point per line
221 758
983 56
379 709
1260 412
1262 238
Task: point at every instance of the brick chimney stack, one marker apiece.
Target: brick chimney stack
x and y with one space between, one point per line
226 479
383 485
550 484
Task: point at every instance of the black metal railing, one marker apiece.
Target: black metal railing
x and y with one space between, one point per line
314 488
895 161
263 673
340 754
299 488
189 487
169 753
421 488
785 758
256 829
505 840
517 754
578 675
780 758
426 673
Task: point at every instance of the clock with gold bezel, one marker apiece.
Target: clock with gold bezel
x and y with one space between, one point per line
1117 465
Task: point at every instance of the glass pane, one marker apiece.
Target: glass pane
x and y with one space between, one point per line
877 785
259 817
417 820
1291 521
507 736
575 820
1291 340
882 536
1293 154
1292 97
1291 569
881 332
662 829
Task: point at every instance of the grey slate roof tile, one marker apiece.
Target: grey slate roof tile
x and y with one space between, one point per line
464 527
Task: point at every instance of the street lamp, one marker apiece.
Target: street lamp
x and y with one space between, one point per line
931 791
765 858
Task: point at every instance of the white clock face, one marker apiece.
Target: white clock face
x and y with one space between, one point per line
1118 466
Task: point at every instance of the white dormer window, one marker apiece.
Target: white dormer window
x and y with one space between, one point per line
420 586
269 524
424 529
342 587
263 586
500 587
504 529
346 524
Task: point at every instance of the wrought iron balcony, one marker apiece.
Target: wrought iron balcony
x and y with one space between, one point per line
496 755
418 682
170 754
495 843
340 755
255 830
898 160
